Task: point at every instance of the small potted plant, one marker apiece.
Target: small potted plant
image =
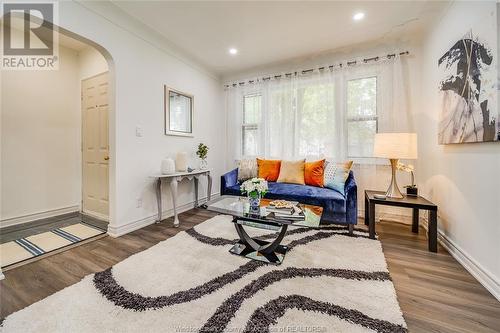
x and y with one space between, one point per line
202 153
410 189
255 189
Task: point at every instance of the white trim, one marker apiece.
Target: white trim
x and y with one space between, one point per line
1 275
481 274
381 215
95 215
39 215
141 223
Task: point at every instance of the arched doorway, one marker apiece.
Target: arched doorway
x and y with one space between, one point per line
44 135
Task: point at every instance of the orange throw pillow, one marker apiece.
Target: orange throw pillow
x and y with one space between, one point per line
313 173
269 169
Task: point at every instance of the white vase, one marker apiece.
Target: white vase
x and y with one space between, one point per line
203 164
181 160
167 166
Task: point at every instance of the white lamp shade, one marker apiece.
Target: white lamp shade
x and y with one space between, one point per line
395 145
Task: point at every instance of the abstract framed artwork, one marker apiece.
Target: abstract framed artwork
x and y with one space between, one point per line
498 66
468 88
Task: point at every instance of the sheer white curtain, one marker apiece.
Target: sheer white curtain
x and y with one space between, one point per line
394 114
306 116
298 117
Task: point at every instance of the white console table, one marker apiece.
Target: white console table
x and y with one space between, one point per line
173 179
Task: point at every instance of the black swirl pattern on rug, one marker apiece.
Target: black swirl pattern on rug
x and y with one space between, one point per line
227 310
109 288
266 315
219 241
214 241
106 284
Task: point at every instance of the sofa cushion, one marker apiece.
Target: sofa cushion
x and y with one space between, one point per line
312 195
233 190
247 168
313 173
336 175
292 172
269 169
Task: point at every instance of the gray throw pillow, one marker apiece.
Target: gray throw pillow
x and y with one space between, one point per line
247 169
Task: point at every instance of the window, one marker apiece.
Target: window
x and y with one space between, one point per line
316 107
252 105
305 117
362 121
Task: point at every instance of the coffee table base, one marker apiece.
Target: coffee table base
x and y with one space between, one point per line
275 257
270 252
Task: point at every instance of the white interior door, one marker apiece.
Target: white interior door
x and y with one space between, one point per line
95 146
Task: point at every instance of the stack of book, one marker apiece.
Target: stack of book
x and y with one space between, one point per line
289 213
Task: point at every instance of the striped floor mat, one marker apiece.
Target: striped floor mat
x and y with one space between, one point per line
26 248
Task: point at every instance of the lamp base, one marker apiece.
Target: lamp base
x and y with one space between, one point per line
393 190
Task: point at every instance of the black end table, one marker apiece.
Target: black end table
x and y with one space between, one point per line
414 202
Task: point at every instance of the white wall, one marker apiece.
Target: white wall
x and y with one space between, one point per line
142 64
91 63
40 158
462 179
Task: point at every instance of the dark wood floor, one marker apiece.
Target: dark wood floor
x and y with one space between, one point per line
436 293
24 230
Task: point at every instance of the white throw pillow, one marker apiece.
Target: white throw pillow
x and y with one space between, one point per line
247 169
336 174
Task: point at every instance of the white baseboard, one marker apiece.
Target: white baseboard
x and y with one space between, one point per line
487 280
38 216
383 213
482 275
384 216
96 215
121 230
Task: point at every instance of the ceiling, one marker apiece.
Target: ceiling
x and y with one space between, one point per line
271 32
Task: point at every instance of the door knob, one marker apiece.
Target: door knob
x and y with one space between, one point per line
106 158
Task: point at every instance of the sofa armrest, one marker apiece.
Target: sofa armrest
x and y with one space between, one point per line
227 180
351 195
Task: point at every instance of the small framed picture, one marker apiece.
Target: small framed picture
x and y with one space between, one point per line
178 113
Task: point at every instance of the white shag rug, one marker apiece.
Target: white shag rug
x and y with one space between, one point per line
328 282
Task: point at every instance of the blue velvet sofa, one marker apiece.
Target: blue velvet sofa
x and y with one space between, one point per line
338 208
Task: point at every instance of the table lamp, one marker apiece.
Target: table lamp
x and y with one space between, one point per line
395 146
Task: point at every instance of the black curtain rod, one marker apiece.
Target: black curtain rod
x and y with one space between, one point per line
349 63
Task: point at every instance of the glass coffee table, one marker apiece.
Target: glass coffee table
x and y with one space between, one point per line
253 248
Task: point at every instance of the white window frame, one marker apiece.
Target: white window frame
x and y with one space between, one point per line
245 125
348 119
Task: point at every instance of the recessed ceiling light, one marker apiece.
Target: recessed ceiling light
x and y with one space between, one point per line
233 51
358 16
